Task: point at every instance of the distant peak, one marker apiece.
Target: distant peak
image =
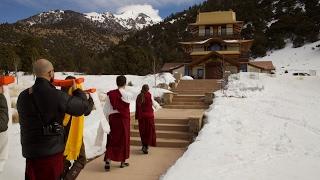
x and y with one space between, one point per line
130 17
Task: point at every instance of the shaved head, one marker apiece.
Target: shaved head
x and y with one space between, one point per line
42 67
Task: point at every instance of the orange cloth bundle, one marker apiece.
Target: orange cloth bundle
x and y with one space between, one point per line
92 90
6 80
67 82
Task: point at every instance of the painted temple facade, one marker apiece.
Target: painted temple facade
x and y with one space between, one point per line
216 46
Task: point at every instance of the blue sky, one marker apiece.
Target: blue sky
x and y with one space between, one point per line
13 10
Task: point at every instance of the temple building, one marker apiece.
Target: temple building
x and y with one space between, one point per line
217 46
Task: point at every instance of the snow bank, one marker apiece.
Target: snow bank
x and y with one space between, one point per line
261 127
270 134
15 166
243 85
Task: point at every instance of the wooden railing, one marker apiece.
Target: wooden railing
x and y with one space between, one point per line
222 36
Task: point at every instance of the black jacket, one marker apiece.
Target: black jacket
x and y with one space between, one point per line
52 104
4 118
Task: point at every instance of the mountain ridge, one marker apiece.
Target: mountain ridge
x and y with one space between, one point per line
126 21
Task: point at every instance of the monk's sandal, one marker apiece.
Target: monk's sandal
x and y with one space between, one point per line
145 150
107 166
124 164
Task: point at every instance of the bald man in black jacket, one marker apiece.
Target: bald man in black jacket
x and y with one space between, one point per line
41 111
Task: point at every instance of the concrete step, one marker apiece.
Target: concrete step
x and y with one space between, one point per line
172 121
198 86
168 127
179 96
194 87
195 90
187 103
192 92
165 134
188 99
186 106
162 142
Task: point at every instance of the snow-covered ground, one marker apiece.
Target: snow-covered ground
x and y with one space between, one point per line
302 59
261 127
14 168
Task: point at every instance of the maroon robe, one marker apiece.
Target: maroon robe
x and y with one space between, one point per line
118 141
145 116
48 168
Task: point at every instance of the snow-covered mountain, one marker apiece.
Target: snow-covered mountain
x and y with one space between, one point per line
45 18
128 19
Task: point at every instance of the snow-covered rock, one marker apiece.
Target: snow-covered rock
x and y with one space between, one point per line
186 78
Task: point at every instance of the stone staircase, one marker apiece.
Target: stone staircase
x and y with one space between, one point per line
197 86
181 121
187 102
170 133
190 94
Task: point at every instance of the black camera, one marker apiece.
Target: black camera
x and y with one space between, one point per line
54 129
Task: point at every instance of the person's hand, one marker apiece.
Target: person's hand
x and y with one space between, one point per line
1 89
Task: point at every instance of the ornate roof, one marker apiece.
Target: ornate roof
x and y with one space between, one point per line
216 17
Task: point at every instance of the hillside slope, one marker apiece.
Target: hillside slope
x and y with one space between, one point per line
70 39
301 59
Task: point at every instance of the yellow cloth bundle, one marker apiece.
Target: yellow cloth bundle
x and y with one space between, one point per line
74 141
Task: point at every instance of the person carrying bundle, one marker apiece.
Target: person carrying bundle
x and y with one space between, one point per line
41 111
75 149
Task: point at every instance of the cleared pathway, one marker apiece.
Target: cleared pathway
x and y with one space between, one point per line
142 167
152 166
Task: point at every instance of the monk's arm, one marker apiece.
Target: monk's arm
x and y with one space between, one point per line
75 105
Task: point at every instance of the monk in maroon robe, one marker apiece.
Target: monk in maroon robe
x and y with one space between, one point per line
145 116
118 140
